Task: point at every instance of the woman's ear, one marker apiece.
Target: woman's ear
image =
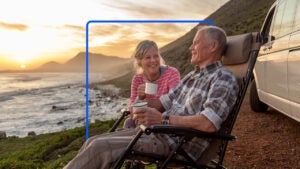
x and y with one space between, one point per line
139 62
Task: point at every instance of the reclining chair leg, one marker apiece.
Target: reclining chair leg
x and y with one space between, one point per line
172 153
120 161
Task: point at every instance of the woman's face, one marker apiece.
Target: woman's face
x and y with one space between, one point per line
150 63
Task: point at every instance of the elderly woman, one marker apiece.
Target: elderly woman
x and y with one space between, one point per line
150 69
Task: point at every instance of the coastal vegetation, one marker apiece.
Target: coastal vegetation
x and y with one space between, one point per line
51 150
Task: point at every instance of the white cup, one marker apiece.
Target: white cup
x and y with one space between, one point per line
151 88
139 105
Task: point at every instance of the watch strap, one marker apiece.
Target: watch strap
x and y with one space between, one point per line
165 119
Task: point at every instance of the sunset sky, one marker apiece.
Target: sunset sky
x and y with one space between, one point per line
33 32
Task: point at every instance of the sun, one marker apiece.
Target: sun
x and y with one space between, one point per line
22 66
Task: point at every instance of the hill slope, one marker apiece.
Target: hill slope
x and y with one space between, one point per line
235 17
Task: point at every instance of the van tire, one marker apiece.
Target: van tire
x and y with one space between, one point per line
255 104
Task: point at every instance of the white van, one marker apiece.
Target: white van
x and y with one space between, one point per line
276 80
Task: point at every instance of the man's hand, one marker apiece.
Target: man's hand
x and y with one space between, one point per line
147 116
155 103
141 91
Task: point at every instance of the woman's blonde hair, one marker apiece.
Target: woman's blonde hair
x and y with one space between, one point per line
142 48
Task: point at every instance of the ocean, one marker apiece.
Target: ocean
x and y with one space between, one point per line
51 102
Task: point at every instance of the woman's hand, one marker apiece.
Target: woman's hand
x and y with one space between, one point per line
141 91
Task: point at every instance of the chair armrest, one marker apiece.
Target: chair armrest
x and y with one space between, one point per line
184 131
116 124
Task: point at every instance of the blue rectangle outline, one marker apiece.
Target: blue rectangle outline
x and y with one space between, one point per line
87 53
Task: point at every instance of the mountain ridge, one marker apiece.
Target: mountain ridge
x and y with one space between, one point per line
97 63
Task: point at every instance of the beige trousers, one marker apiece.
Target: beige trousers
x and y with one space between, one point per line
100 152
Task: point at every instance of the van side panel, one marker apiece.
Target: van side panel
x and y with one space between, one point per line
293 68
276 80
294 75
276 74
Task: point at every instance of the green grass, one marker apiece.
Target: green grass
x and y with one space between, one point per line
52 150
48 151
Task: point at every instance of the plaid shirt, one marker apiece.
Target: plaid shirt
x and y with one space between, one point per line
210 91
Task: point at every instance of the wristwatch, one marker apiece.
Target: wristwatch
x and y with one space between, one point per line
165 119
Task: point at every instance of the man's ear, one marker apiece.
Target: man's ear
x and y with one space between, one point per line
214 46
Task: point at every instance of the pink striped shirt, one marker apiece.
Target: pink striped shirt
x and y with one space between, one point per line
168 80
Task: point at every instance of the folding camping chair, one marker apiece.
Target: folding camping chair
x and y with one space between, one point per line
240 58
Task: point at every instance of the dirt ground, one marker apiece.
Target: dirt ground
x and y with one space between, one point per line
264 140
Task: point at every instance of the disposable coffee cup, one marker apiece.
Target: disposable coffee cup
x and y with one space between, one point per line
139 105
151 88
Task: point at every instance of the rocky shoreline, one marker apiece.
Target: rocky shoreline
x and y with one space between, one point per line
104 104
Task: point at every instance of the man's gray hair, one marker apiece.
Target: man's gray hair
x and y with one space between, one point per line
213 33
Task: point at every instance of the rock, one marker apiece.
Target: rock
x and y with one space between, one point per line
3 135
13 137
119 110
108 99
98 103
60 123
97 121
31 133
79 120
59 108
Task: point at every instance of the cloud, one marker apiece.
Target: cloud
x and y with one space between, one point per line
128 36
105 29
69 30
13 26
166 9
121 39
139 29
139 10
121 48
74 27
167 29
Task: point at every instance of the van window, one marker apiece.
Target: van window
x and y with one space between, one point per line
265 32
297 17
277 20
288 17
284 18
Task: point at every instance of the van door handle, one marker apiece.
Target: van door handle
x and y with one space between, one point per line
296 49
267 48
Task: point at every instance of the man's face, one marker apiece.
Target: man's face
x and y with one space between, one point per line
200 49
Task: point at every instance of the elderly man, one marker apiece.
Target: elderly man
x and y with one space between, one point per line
201 101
